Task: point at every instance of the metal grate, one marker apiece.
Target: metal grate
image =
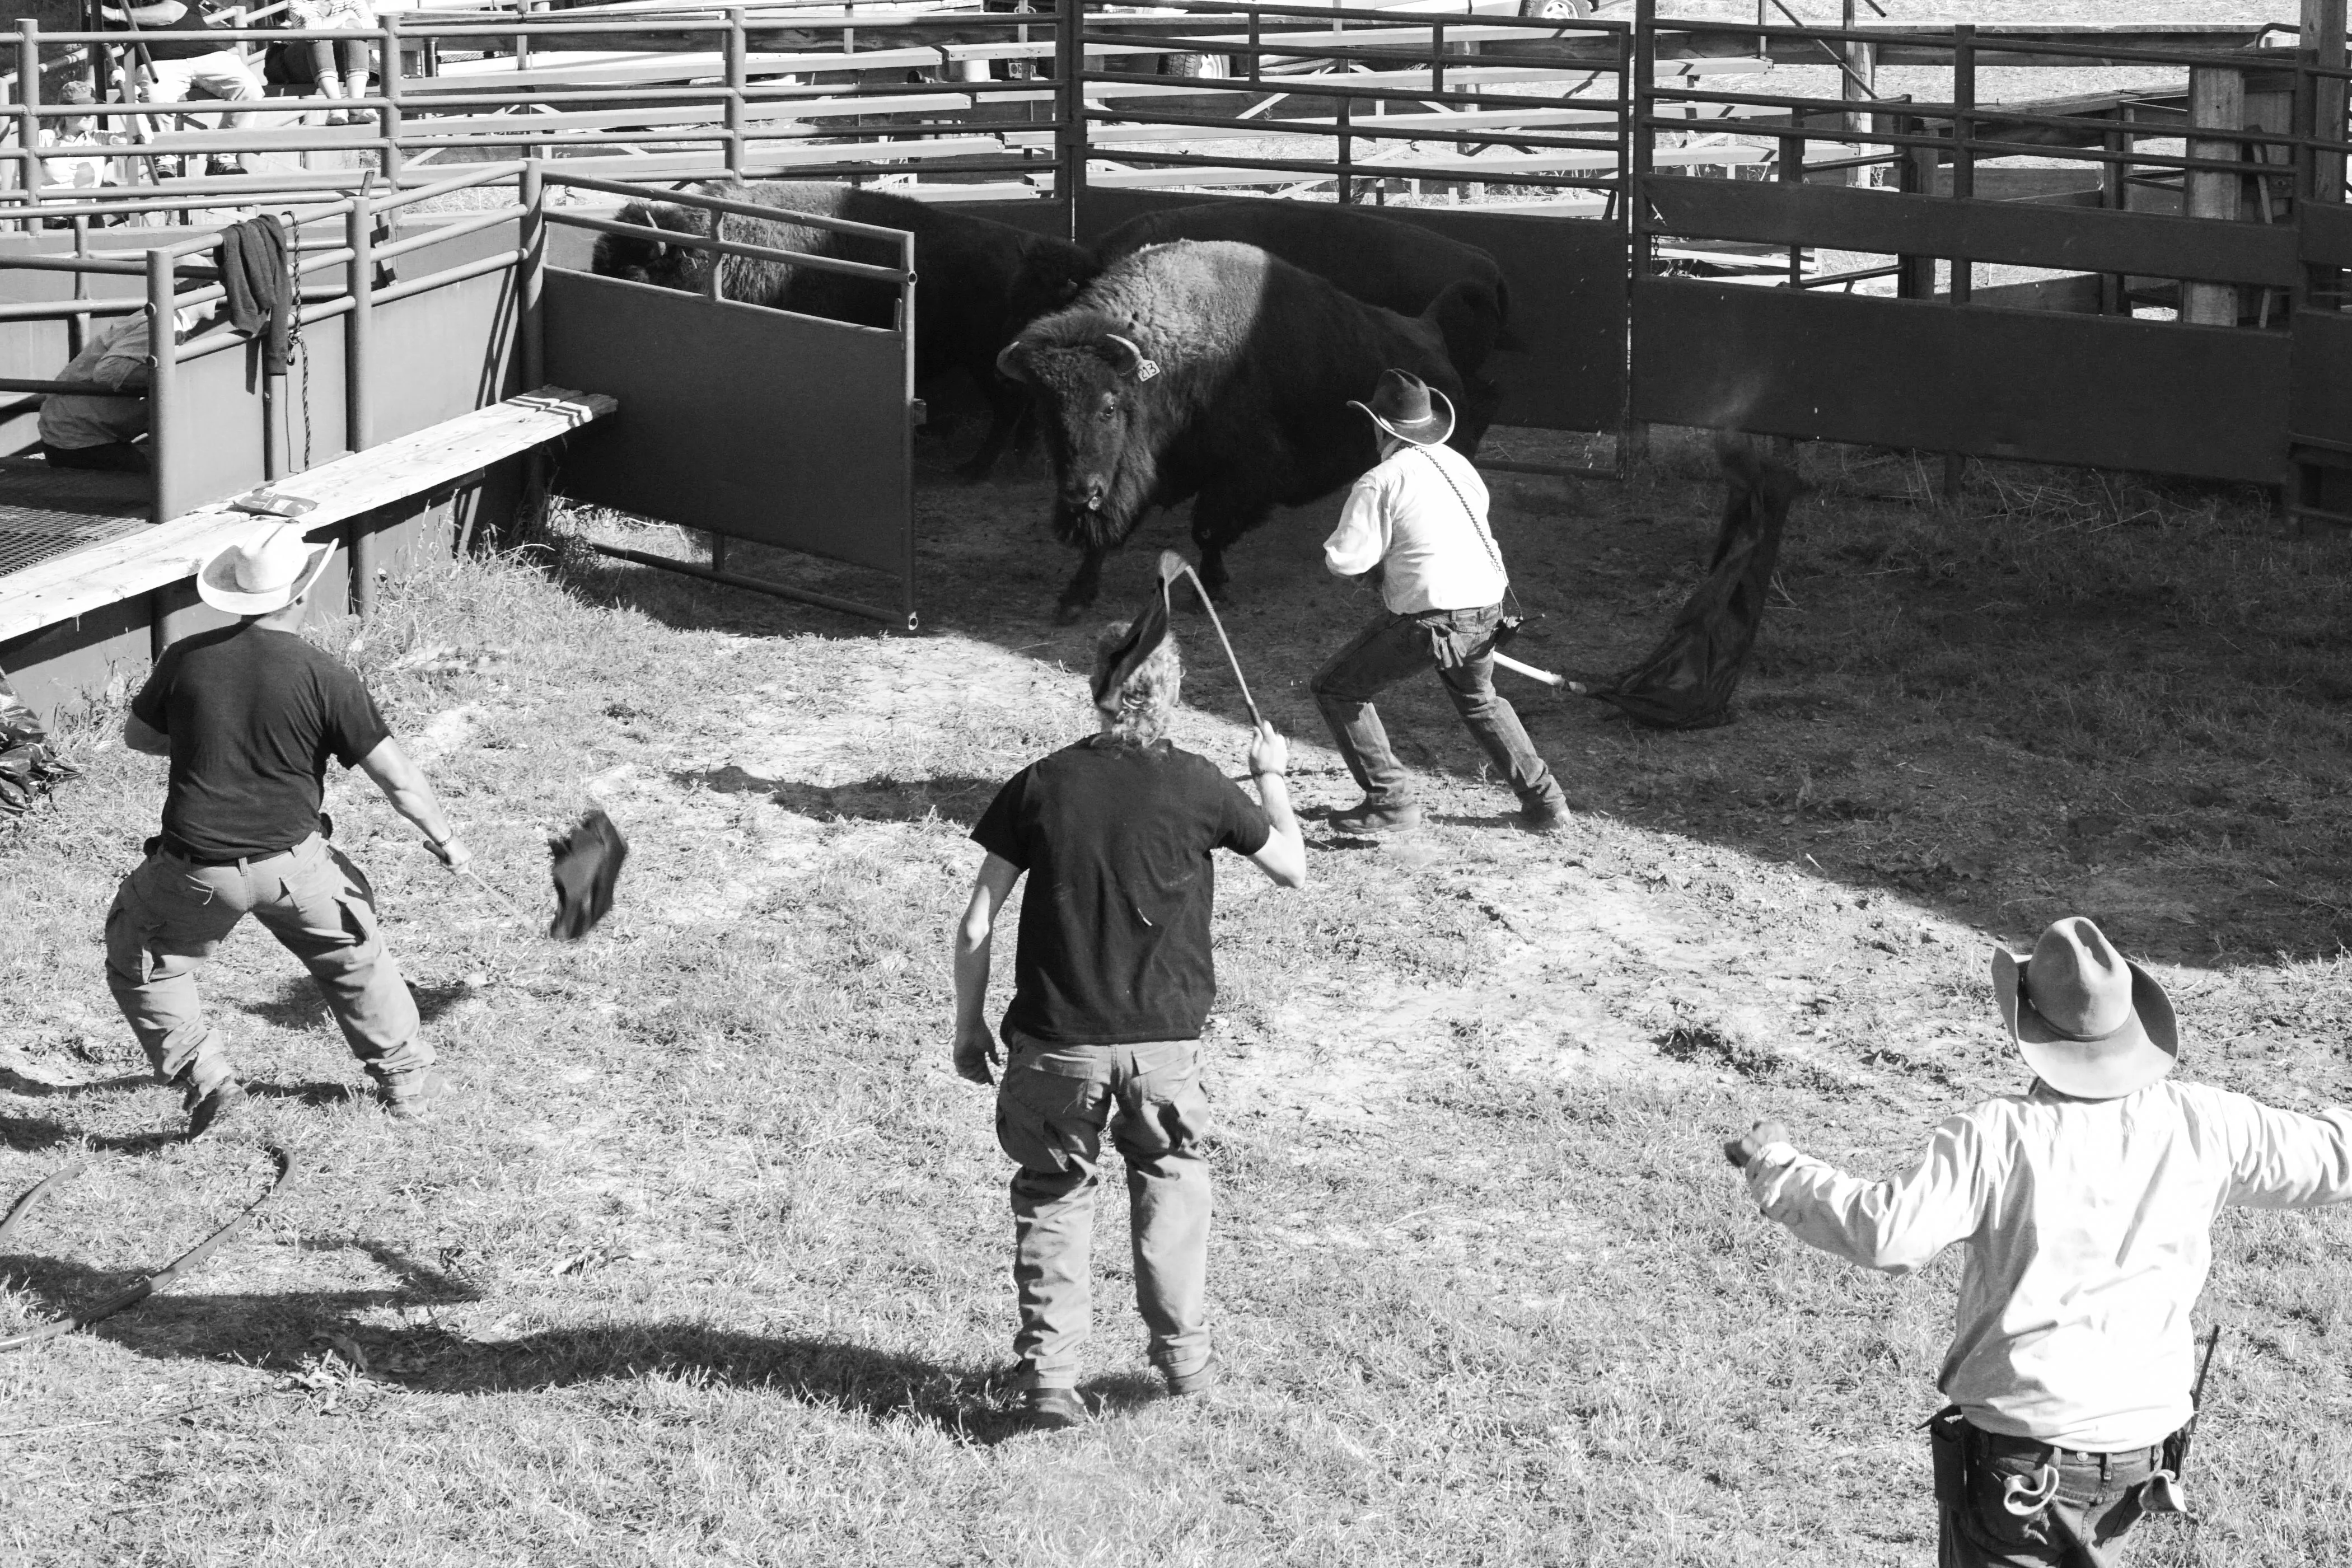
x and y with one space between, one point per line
47 512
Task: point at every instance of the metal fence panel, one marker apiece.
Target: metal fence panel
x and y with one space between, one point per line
778 429
2105 391
2319 397
1568 300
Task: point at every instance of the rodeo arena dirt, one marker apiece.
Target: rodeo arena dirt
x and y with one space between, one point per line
1640 705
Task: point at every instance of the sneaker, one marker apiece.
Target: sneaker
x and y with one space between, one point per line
414 1092
1370 821
1052 1409
1200 1380
206 1112
1546 817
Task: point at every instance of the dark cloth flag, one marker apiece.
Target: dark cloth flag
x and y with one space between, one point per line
587 864
1143 638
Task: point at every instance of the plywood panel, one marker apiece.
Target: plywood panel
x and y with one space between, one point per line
751 422
2102 392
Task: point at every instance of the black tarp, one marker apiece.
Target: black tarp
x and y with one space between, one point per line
28 764
1687 681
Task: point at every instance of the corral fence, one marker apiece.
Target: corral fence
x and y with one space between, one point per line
1868 250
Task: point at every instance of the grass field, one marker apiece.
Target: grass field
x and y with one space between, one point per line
710 1265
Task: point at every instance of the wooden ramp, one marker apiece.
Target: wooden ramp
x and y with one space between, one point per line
109 572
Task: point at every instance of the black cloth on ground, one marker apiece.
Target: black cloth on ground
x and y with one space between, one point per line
253 714
1113 942
251 256
182 39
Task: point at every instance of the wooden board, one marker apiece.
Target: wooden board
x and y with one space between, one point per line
107 574
2070 239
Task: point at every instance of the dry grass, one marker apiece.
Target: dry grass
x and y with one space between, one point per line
709 1266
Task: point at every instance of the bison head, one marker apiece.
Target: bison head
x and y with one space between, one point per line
639 258
1093 390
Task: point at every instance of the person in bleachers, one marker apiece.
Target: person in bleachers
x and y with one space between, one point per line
183 57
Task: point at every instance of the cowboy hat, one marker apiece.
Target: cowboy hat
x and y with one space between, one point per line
1399 405
266 571
2090 1022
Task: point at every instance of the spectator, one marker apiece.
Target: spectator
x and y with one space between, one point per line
337 14
183 56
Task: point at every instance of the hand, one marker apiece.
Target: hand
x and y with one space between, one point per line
450 853
1752 1143
1268 752
976 1052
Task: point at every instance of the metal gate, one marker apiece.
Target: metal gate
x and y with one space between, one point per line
740 420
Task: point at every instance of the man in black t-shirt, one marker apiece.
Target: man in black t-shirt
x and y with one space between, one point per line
1112 982
250 715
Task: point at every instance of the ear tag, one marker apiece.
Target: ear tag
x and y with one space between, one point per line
1146 369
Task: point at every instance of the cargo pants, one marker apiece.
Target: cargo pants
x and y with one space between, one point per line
1052 1108
172 914
2011 1502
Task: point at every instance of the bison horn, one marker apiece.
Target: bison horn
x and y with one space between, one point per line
1137 365
1012 363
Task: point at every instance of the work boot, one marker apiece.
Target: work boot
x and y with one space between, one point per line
1545 818
209 1109
1052 1409
1369 821
415 1092
1200 1380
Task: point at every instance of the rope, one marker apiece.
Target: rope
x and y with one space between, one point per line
1477 524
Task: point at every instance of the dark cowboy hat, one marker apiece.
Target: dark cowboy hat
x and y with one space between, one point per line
1399 405
2090 1022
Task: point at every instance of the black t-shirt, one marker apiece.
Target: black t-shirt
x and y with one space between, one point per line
182 39
1114 926
253 714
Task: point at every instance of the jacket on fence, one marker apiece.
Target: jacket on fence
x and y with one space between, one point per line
252 257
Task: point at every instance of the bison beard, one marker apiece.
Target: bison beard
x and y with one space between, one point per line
981 282
1214 373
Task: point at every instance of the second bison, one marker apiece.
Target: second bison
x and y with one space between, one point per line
978 282
1214 373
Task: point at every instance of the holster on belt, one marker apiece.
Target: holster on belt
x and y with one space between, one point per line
1947 1450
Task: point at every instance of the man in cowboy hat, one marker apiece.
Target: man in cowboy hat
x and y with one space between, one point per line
2086 1205
1416 521
248 715
1111 985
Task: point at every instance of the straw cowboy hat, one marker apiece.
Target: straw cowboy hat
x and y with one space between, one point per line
1399 405
2090 1022
267 570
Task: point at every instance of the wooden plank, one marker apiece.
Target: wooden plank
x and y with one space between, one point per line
2327 230
2067 239
107 574
2102 392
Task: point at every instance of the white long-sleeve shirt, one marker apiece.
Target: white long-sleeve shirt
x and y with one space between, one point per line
2088 1225
1430 535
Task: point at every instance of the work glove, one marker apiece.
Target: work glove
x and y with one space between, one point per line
1741 1150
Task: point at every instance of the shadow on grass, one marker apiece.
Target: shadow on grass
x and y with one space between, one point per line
283 1330
300 1005
32 1135
878 799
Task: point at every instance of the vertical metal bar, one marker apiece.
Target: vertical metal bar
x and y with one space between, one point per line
906 306
1070 127
531 276
389 115
1858 83
738 76
1637 66
162 387
2115 193
1347 153
28 105
1964 132
1437 59
1792 171
523 9
77 325
359 414
1257 71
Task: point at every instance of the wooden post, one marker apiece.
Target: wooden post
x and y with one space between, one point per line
1070 132
1859 84
738 77
1964 159
2323 30
2217 100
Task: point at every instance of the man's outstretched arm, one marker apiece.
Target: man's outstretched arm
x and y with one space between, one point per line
975 1044
1895 1226
411 793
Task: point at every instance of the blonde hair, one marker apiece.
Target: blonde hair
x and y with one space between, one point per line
1140 709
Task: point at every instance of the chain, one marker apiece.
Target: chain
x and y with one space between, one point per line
1476 522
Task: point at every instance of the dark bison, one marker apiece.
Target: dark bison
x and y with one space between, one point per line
978 282
1397 267
1215 371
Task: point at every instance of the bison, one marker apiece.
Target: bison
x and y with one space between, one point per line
979 282
1214 370
1396 266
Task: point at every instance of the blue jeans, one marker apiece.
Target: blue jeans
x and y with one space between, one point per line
1460 644
1052 1108
2022 1504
